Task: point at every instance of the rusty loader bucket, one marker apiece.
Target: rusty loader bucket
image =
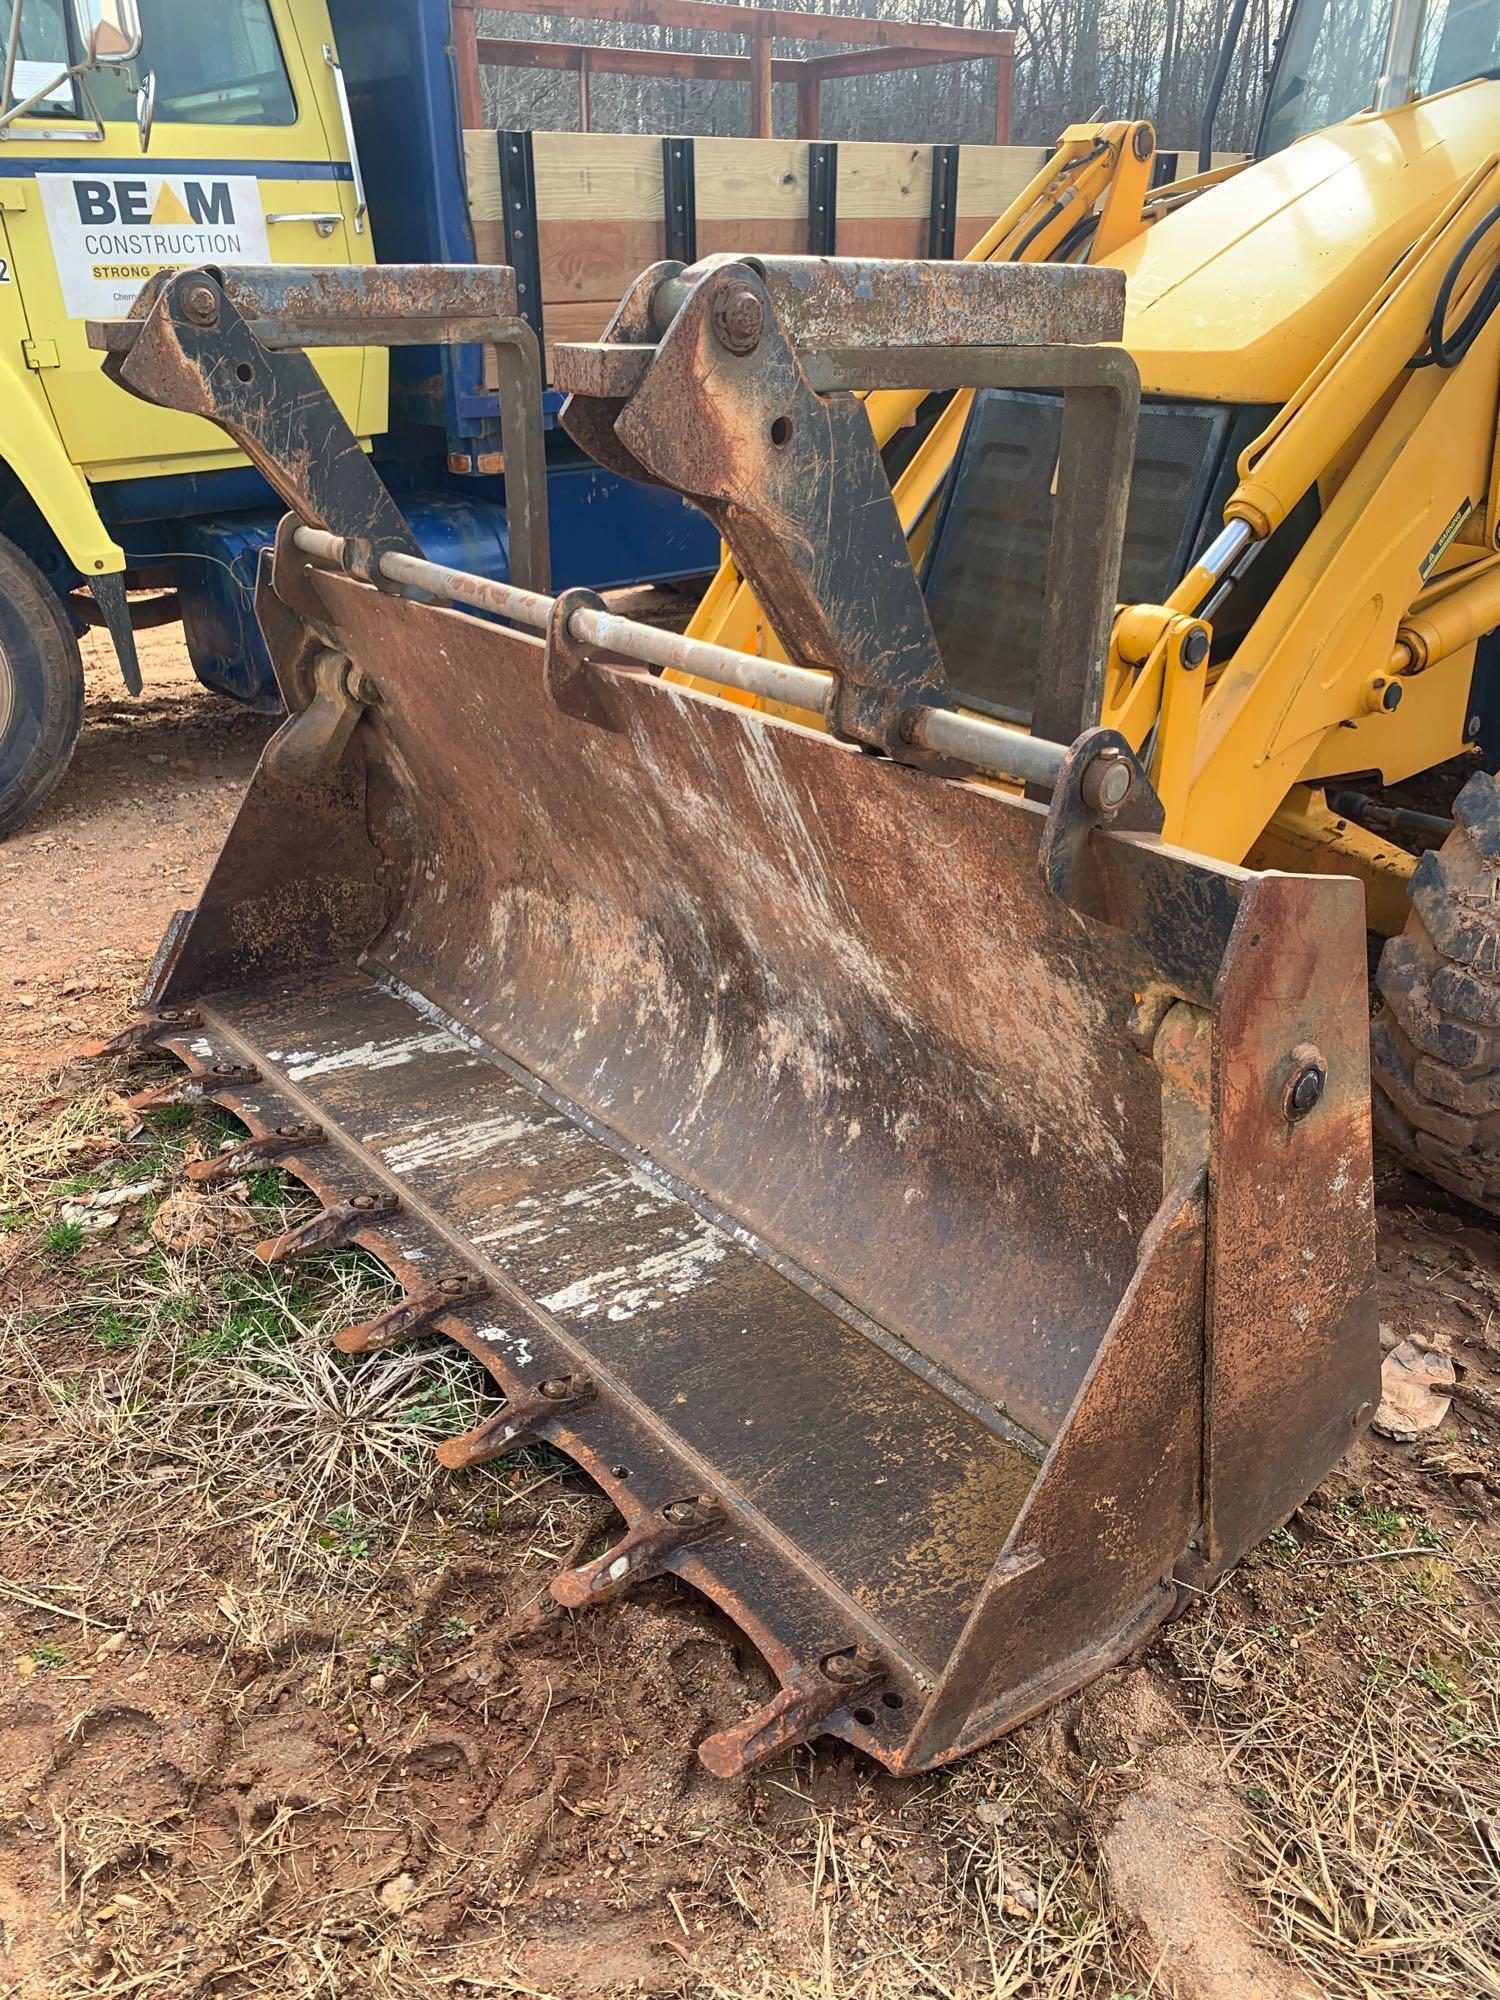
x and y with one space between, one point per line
935 1213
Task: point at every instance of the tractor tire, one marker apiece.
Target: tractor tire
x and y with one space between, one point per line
1435 1043
41 688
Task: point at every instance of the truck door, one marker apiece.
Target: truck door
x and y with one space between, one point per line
248 164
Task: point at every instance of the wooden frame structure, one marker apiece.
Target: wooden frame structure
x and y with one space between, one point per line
877 47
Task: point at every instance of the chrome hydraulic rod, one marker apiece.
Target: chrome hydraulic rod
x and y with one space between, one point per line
1005 753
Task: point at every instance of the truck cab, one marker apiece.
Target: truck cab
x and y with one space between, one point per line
137 135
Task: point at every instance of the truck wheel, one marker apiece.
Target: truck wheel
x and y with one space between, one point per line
1435 1044
41 688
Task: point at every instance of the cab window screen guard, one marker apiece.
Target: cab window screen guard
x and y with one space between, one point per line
217 62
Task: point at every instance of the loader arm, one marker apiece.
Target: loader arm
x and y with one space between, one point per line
1091 164
1321 622
915 1204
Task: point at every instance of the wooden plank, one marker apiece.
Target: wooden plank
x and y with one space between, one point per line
875 236
777 236
990 178
482 171
583 321
606 176
603 176
765 178
596 260
881 181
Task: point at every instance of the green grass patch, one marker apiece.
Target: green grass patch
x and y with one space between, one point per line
348 1536
61 1239
117 1333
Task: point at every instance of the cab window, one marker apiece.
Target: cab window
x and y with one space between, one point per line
1460 40
1327 69
217 62
42 49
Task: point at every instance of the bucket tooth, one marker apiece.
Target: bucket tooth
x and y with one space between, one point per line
334 1226
794 1714
144 1032
516 1422
246 1154
641 1553
197 1086
411 1314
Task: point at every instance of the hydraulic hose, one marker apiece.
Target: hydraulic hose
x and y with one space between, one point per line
1446 350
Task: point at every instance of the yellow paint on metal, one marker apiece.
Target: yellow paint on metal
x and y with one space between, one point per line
1305 838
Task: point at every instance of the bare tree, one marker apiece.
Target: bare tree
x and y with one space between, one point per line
1126 58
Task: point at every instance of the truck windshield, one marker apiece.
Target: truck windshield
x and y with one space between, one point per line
1334 53
217 62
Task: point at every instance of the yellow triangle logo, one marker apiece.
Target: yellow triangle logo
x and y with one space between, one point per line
169 209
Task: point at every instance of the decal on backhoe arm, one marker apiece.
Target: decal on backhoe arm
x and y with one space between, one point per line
1439 548
111 232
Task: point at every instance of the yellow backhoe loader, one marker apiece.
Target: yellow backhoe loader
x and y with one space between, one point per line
882 1080
1311 559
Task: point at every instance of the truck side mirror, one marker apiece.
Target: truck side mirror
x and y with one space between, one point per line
145 108
109 31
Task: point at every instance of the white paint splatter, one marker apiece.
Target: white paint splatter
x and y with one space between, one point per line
304 1063
629 1289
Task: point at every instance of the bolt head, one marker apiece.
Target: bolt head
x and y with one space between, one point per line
739 319
1473 726
1107 782
1305 1092
199 302
858 1664
1195 646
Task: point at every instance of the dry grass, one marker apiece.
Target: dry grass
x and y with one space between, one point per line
184 1396
1371 1778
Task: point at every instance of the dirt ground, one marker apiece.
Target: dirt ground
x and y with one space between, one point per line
286 1709
86 887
